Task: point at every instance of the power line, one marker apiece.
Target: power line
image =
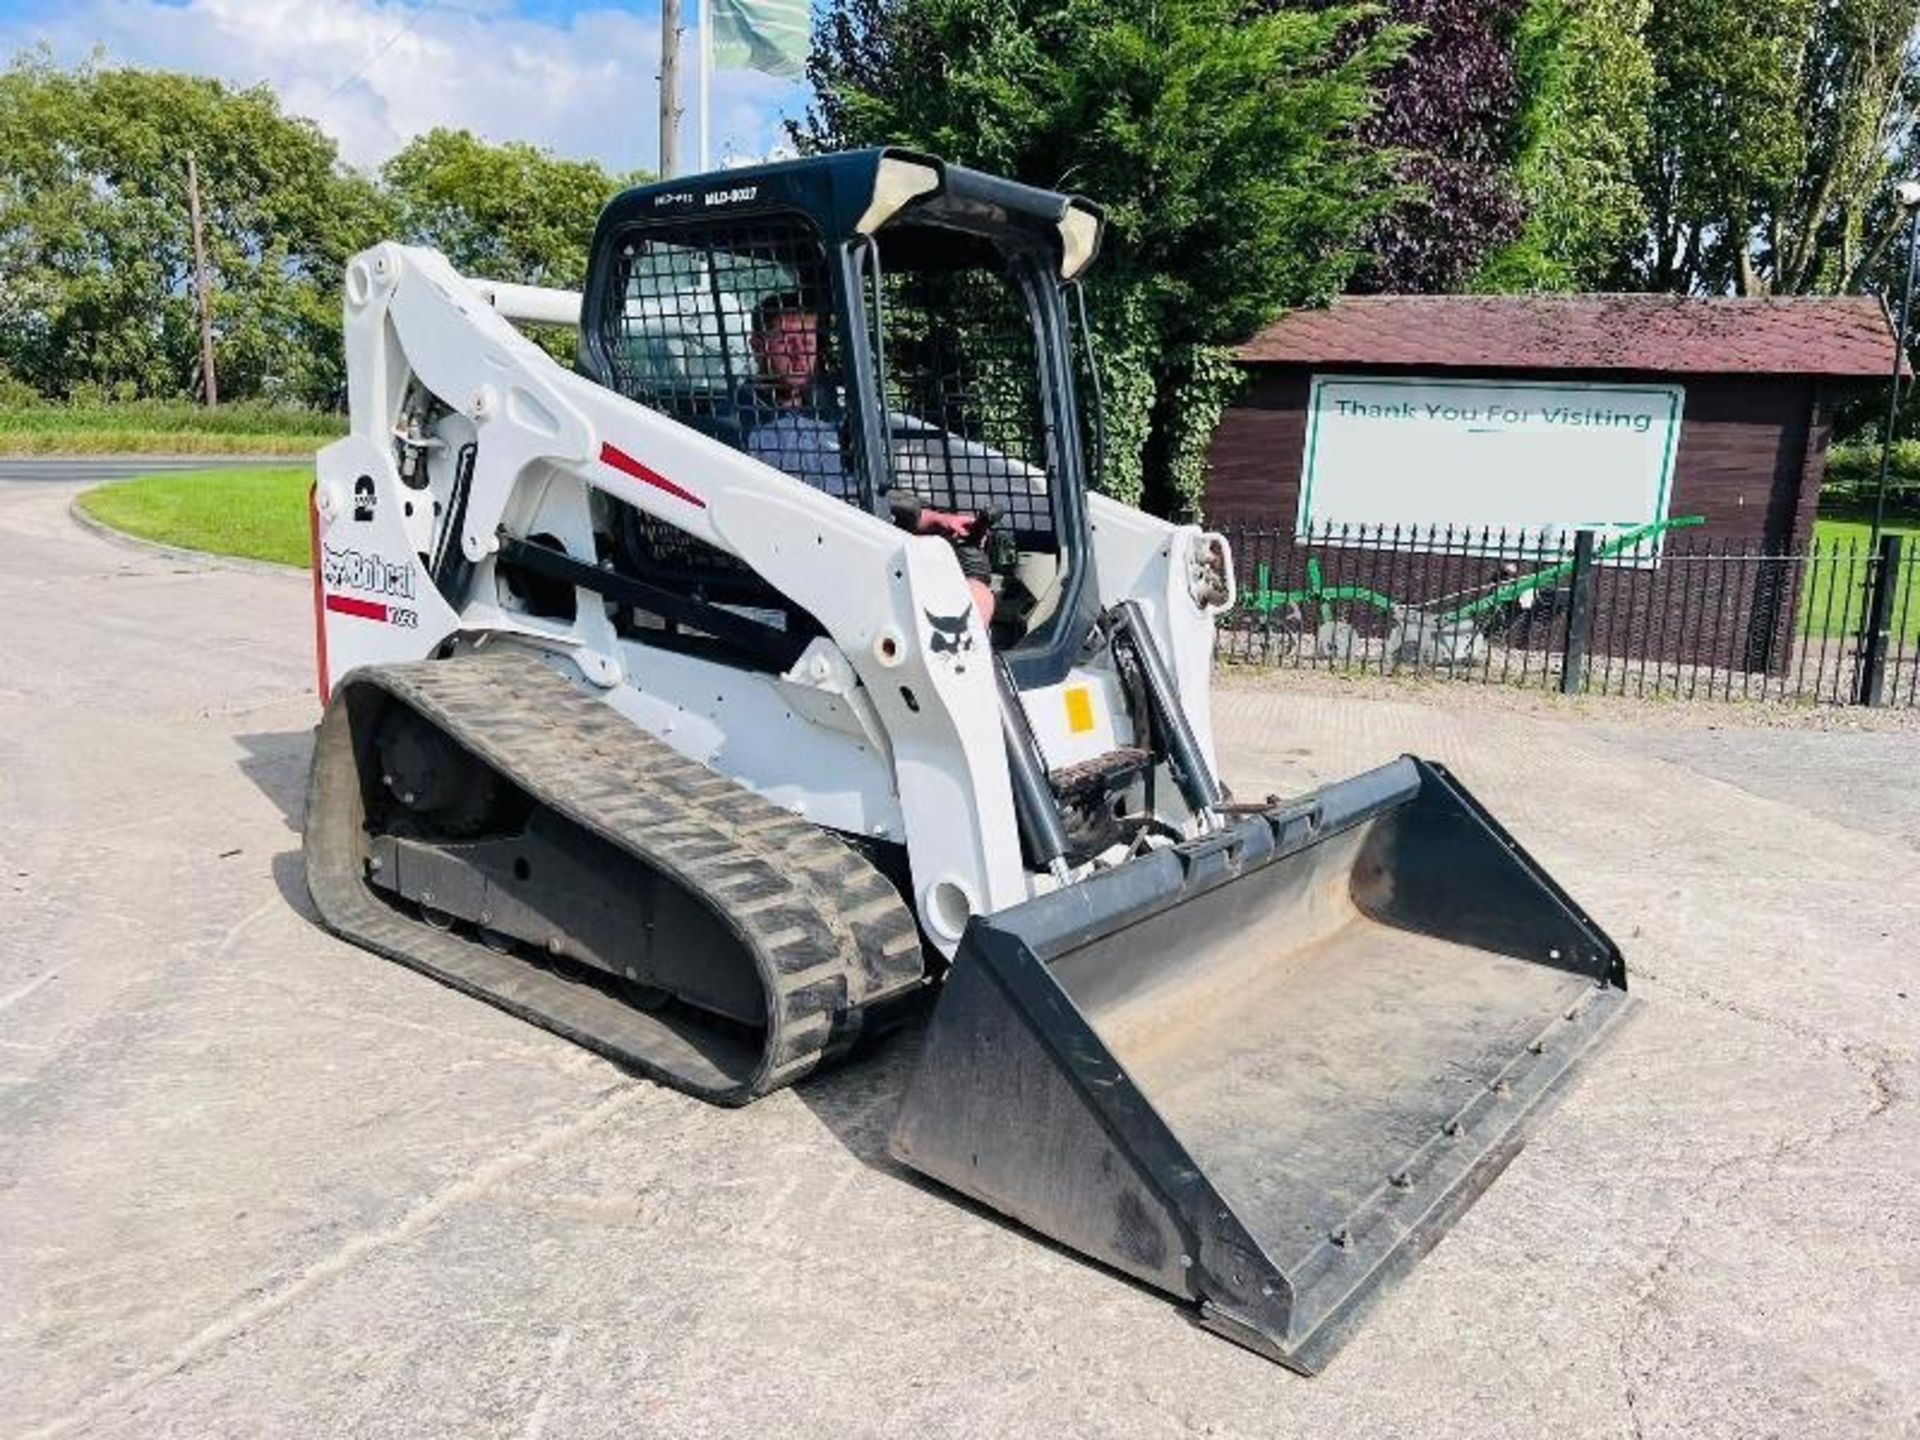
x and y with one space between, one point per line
413 15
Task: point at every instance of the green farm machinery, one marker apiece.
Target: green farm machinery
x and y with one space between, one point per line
1311 622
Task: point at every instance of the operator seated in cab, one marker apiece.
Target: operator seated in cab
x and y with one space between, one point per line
788 431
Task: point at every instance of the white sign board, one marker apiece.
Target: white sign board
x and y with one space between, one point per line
1539 461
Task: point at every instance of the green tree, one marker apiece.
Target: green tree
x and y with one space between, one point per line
1579 143
507 212
1774 131
95 249
1221 141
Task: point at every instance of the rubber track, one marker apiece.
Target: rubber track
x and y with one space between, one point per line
828 935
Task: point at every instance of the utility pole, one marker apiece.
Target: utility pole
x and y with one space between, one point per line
200 284
669 86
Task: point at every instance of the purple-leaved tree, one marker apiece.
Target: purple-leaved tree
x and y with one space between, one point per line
1448 108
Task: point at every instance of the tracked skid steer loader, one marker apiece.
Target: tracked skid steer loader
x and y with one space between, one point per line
776 673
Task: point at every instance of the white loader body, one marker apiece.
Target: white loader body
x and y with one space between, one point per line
885 728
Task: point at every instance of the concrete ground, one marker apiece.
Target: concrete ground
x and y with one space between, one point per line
256 1182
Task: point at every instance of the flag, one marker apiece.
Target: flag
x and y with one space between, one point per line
766 35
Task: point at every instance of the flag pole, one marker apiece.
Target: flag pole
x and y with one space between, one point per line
705 83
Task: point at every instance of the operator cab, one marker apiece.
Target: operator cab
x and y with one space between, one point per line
883 326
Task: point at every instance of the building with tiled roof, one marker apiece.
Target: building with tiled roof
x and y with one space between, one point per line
1754 385
1540 416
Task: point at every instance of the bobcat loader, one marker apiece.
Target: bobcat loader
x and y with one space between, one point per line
655 715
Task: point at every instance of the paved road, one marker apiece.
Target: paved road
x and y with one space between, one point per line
92 469
1866 780
254 1182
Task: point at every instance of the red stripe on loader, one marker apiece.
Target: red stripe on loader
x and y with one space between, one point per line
362 609
627 465
319 613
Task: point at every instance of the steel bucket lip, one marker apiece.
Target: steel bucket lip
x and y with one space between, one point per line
1387 1238
1298 1317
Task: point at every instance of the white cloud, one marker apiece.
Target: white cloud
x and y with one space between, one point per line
375 73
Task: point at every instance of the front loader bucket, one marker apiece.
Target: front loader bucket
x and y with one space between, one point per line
1265 1071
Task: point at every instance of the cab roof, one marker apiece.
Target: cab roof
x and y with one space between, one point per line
850 193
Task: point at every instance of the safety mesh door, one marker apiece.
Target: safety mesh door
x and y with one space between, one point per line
967 422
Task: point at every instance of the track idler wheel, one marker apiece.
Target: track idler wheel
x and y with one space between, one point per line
432 779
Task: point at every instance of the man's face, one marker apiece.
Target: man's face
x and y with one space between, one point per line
789 349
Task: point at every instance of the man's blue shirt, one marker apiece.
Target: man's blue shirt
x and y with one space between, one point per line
805 447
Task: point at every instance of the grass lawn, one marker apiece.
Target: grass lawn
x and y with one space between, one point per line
259 514
1832 598
164 427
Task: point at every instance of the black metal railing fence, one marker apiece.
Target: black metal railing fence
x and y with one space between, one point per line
1672 613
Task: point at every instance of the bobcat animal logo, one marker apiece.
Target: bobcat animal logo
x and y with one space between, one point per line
952 637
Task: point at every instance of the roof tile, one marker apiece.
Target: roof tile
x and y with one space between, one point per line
1847 335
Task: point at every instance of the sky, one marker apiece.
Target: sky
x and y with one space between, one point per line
576 76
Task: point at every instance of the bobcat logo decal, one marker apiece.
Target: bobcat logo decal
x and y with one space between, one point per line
951 637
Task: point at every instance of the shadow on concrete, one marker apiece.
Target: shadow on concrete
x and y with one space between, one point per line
290 879
276 762
855 1102
855 1099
